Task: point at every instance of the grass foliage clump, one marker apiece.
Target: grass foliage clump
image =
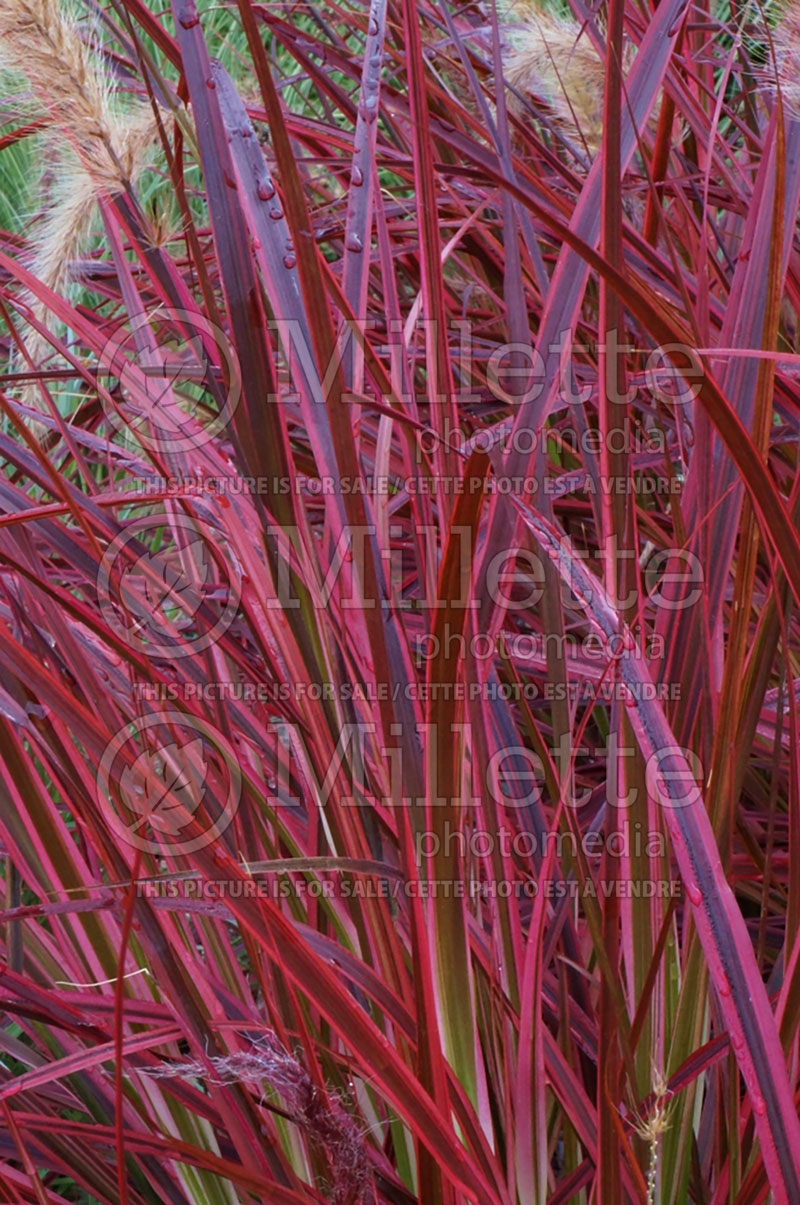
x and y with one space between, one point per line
399 795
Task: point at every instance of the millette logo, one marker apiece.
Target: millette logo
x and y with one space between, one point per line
169 784
171 378
169 585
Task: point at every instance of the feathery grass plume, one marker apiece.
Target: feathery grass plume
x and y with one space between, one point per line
41 38
553 57
110 147
59 238
786 41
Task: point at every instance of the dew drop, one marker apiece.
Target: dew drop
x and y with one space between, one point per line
353 243
737 1040
276 213
373 29
265 190
369 108
694 893
724 987
356 176
759 1106
230 181
211 83
256 244
188 19
289 261
246 132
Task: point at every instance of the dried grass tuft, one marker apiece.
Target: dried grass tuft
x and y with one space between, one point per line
321 1115
553 58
